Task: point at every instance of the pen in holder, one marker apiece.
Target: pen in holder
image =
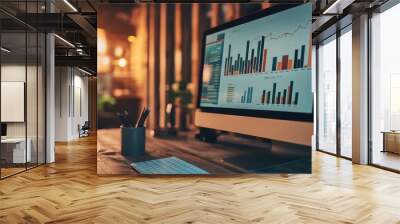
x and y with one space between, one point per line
133 141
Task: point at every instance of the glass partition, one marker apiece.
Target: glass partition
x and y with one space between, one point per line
32 98
41 96
22 88
385 89
15 149
327 95
346 92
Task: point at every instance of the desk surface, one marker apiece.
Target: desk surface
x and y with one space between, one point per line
110 161
13 140
390 132
215 158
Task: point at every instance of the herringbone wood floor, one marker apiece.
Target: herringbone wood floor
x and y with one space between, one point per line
69 191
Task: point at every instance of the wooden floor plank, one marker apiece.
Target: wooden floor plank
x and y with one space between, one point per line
70 191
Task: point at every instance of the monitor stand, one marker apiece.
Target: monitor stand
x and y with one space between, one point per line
207 135
295 132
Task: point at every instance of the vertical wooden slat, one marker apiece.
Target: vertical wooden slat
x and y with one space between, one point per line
170 54
196 42
178 43
138 52
156 106
163 61
150 61
154 68
178 51
237 10
230 12
214 15
186 24
170 65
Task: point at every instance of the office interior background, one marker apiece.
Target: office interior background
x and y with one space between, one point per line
333 69
168 48
29 57
29 88
26 59
50 63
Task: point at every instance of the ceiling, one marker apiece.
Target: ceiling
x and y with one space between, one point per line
76 22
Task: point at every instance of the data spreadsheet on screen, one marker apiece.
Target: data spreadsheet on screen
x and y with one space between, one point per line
262 64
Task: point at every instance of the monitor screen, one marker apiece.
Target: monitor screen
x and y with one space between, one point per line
260 65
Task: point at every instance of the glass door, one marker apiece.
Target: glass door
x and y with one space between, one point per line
334 94
385 89
326 99
346 92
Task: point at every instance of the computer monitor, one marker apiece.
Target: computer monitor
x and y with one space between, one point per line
3 130
255 75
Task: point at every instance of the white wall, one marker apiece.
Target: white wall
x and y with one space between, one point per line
16 73
80 111
33 127
71 102
61 103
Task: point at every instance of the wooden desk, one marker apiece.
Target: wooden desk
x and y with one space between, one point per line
215 158
391 141
111 162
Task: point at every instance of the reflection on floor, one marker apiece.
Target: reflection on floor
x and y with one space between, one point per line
387 159
10 171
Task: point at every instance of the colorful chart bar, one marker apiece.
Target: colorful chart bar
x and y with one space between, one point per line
247 96
284 97
254 60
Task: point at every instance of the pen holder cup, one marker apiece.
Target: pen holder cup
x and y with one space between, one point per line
133 141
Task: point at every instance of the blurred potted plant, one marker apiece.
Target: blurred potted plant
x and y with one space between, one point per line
106 102
181 96
105 111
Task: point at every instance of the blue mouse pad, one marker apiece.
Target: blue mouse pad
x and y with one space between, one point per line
168 165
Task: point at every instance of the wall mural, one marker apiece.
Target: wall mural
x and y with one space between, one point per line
149 60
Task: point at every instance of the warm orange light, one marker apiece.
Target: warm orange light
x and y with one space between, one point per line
103 63
118 51
131 38
178 64
175 86
122 62
101 41
105 60
121 92
118 92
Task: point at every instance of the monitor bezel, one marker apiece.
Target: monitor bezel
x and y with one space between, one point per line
283 115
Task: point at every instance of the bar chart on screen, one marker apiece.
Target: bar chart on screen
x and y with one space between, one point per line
253 56
262 65
284 97
247 96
